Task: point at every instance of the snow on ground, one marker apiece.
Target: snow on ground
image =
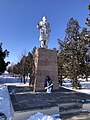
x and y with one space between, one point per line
8 79
5 102
41 116
85 85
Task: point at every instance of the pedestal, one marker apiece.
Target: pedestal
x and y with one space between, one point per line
45 61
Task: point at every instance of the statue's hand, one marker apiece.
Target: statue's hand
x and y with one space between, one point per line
39 25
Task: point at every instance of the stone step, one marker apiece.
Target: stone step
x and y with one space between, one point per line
75 115
70 107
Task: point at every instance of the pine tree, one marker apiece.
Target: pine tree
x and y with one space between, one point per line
76 52
84 53
70 50
25 67
3 55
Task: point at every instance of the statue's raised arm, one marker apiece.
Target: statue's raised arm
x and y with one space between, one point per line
45 30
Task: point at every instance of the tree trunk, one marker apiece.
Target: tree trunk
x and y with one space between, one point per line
60 80
74 82
24 79
86 76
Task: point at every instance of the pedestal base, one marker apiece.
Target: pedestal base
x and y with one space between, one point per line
45 65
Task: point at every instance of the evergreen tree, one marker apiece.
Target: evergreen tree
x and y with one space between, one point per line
75 52
3 55
84 46
70 50
25 67
61 69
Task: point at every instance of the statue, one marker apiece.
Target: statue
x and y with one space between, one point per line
44 32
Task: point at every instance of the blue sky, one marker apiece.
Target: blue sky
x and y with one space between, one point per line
19 18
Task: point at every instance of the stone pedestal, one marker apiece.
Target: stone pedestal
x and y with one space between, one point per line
45 65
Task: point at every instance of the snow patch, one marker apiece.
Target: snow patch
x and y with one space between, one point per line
41 116
5 103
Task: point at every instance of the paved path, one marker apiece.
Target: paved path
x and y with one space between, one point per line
68 103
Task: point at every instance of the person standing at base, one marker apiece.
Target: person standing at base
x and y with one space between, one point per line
48 85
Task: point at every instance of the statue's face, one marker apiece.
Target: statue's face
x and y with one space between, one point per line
44 19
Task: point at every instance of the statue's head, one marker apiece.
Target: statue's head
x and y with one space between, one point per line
44 18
